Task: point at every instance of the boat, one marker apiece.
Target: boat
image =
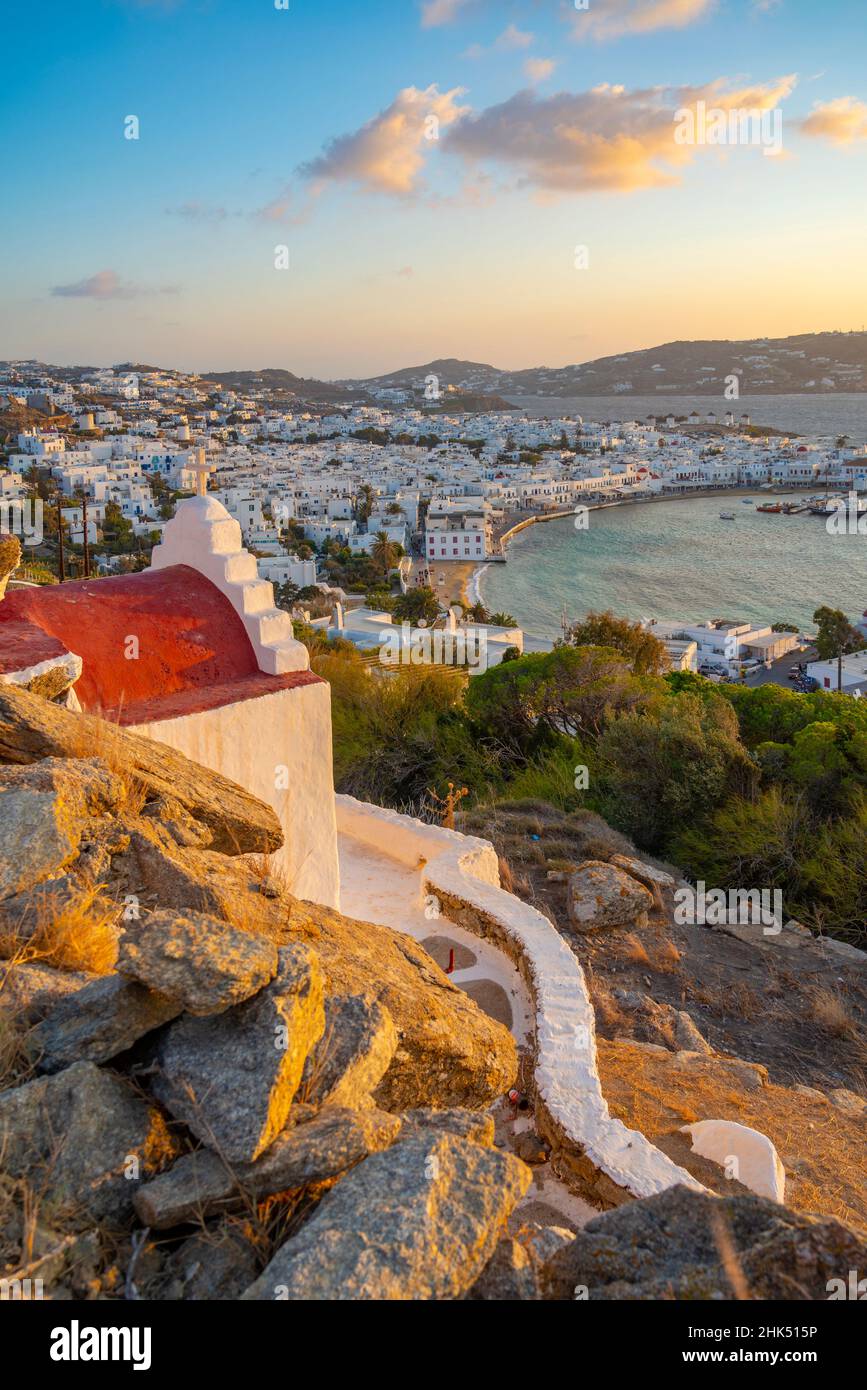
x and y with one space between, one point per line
770 507
746 501
726 516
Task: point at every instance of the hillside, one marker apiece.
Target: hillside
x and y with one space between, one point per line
811 362
279 382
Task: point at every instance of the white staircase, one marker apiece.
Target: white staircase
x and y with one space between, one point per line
204 536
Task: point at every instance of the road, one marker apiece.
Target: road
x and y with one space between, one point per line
778 671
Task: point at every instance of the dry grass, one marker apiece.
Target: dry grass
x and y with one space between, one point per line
609 1015
666 958
506 879
829 1011
729 999
16 1065
634 950
821 1147
79 935
40 1239
101 738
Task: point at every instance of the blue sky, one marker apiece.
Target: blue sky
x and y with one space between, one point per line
555 130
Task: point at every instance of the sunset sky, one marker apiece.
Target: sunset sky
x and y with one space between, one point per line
310 127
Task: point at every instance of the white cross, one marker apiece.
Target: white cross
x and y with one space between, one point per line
202 468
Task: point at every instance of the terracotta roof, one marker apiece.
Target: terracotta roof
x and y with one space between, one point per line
193 650
23 645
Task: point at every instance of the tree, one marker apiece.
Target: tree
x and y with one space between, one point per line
574 691
836 638
384 552
365 504
417 605
645 653
286 595
117 530
502 620
672 768
381 599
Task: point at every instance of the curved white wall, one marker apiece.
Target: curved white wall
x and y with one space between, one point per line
610 1161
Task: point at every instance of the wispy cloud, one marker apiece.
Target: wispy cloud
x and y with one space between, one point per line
387 154
198 212
107 284
290 207
509 41
513 37
610 19
435 13
539 69
843 121
607 139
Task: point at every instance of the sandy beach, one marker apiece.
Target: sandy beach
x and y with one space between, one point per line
458 575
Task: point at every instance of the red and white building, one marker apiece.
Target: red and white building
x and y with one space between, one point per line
458 530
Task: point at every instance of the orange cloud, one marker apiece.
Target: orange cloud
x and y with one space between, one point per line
538 69
609 19
388 153
843 121
435 13
608 139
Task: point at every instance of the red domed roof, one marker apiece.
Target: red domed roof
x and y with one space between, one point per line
193 652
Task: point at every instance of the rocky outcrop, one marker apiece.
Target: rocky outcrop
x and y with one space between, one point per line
84 1140
419 1221
216 1265
688 1245
32 729
509 1277
655 880
232 1078
599 895
206 965
308 1151
448 1053
29 991
37 838
466 1124
97 1022
354 1053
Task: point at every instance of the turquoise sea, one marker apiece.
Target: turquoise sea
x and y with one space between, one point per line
677 560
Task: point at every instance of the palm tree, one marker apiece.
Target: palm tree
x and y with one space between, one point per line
366 504
384 552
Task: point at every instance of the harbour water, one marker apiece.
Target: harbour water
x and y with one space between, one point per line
678 560
828 415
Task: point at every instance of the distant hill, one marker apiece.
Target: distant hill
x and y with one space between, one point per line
280 382
809 362
450 371
812 363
